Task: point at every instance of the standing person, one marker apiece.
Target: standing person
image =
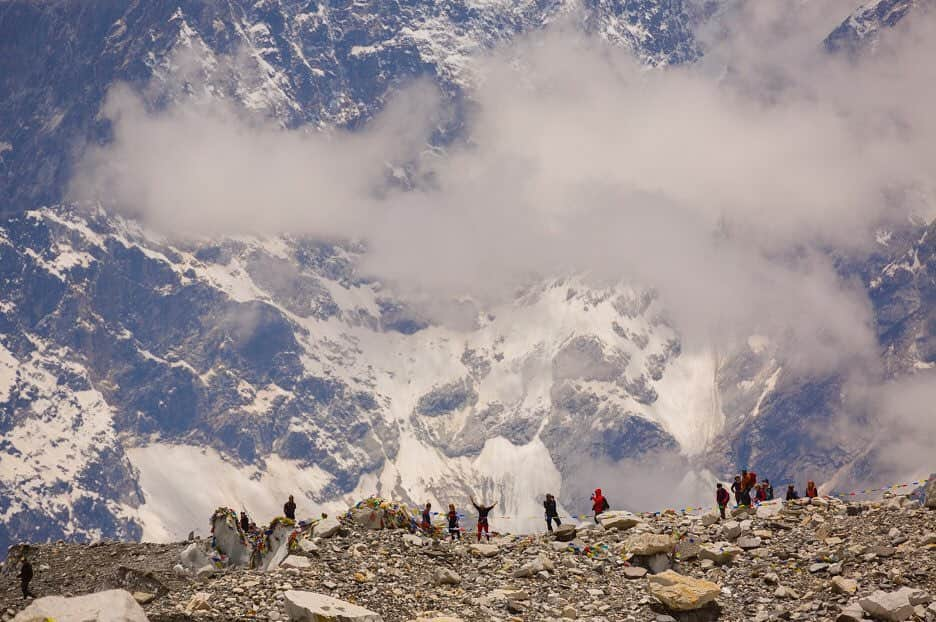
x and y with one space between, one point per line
289 509
552 514
427 518
811 491
483 511
736 489
791 494
25 576
761 494
722 498
599 503
453 529
244 522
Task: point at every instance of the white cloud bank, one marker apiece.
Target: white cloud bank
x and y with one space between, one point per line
720 184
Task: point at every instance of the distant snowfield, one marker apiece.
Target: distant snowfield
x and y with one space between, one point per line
183 484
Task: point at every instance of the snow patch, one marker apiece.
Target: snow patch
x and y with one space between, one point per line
171 509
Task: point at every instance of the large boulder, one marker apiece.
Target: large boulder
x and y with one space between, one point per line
327 527
484 550
108 606
929 492
565 533
650 544
731 530
618 519
378 513
313 607
719 552
681 593
534 567
769 509
296 561
889 606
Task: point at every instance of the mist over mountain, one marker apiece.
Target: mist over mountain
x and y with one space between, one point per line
502 248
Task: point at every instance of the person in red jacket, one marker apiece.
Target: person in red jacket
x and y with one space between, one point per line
722 498
599 503
811 491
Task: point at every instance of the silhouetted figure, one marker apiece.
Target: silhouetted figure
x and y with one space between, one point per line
244 522
552 514
25 576
289 509
791 493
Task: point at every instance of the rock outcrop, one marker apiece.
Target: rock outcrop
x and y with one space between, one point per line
107 606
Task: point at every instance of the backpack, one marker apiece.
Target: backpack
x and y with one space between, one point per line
604 504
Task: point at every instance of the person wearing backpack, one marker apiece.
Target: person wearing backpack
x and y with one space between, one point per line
599 503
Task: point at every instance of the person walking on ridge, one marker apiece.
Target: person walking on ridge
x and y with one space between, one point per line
483 511
599 503
289 509
244 522
722 498
552 514
736 489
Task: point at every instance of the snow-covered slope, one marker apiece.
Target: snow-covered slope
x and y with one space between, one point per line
862 29
299 375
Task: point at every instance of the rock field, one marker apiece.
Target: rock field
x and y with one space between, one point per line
802 560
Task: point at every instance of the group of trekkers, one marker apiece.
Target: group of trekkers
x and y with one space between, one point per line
748 491
599 505
452 517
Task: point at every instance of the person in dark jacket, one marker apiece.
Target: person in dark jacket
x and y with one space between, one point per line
722 498
483 511
552 514
244 522
25 576
791 493
737 490
289 509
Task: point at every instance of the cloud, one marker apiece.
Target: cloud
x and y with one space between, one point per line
722 184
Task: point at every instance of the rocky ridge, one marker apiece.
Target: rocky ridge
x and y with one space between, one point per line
805 560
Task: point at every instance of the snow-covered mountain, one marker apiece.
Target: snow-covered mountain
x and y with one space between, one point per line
322 63
144 381
121 350
862 28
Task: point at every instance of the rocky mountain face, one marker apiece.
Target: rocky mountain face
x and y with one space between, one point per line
818 560
253 368
303 62
863 28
